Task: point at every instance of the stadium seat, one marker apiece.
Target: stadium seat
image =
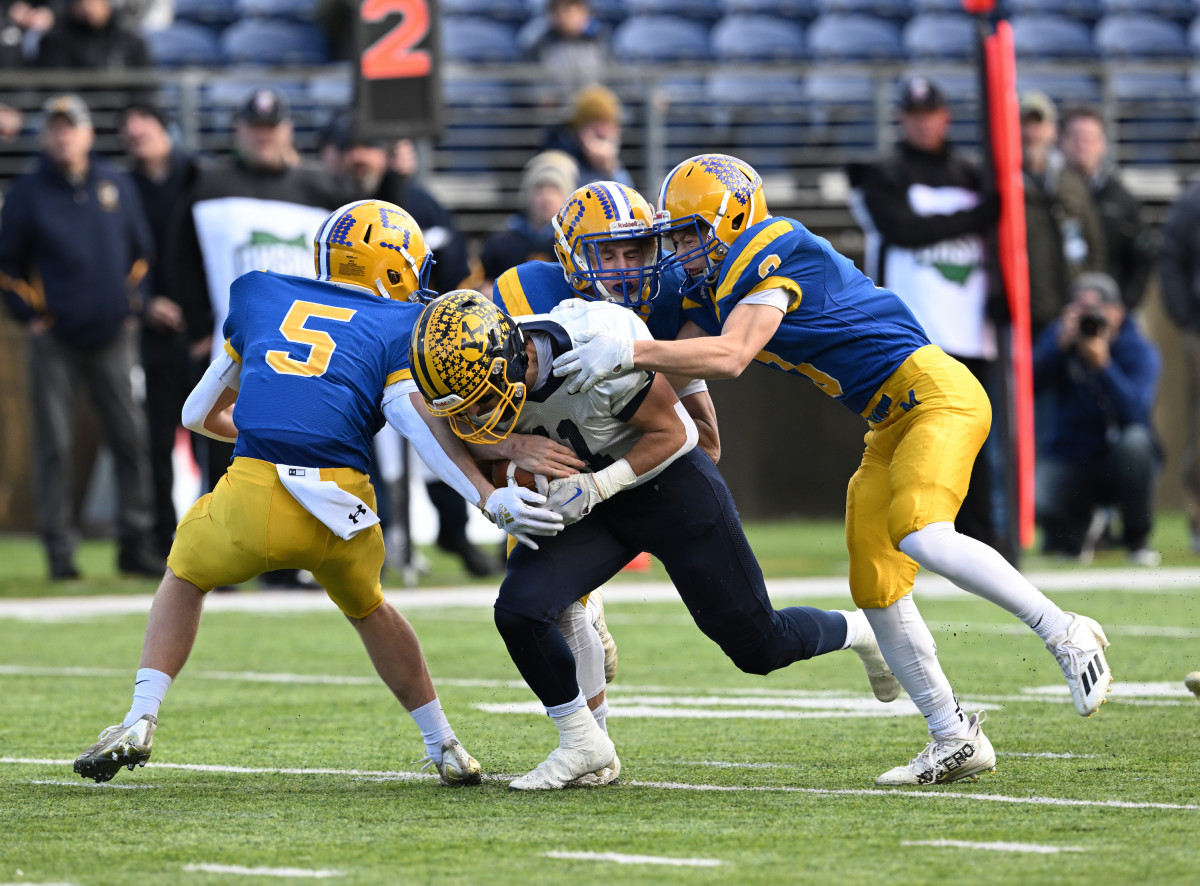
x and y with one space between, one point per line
287 10
206 12
1156 112
752 90
841 111
511 11
704 11
1140 37
930 7
1051 38
1176 10
795 10
1079 10
660 39
760 117
757 38
939 36
896 10
1193 37
485 102
1062 88
332 88
854 38
260 41
183 44
478 40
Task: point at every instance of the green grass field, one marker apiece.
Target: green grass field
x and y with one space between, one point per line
280 753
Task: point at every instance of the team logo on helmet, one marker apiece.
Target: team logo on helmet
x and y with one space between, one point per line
375 244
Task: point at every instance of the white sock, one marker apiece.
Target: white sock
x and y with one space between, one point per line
435 728
576 727
910 651
559 711
852 626
979 569
579 631
149 688
600 715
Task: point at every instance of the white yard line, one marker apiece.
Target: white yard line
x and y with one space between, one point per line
922 794
91 784
238 869
1038 848
621 858
1167 580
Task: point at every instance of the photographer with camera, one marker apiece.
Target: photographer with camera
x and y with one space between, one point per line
1099 449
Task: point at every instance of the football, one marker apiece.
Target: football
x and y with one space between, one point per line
499 475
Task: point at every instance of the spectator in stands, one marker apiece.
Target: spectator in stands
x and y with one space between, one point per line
73 256
924 212
528 235
568 42
22 25
160 173
1100 449
1127 238
10 123
92 35
255 210
1179 270
366 163
1063 231
593 136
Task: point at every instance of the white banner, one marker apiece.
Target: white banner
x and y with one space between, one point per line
240 234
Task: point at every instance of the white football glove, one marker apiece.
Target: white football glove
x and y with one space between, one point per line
515 510
573 497
594 359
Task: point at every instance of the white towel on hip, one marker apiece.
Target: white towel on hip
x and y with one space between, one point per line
343 512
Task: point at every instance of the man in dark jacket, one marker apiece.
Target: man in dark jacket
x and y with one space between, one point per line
92 35
925 212
1099 448
1064 237
1179 269
73 254
161 173
1126 235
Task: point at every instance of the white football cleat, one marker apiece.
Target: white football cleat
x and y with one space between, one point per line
595 606
605 775
1080 653
883 682
118 746
567 764
947 760
458 768
1192 682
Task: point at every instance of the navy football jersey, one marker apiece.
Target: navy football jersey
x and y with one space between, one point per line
841 331
315 360
537 286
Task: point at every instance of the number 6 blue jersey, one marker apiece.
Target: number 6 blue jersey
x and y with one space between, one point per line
315 359
840 331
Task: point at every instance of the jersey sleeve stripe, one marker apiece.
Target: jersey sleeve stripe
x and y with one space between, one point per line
229 349
750 253
398 375
633 405
512 295
787 284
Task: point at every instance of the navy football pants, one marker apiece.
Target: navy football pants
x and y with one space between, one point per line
687 519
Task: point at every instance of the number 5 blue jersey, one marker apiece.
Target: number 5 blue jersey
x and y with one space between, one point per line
315 360
535 287
840 331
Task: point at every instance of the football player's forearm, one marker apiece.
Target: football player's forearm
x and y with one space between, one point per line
700 407
441 451
208 408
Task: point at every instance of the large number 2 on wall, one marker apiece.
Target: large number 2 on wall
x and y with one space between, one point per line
321 343
391 56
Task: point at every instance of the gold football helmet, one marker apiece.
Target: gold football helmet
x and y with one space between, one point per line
468 359
595 219
714 196
375 244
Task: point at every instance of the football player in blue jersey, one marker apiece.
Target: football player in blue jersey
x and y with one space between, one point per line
311 370
767 289
489 375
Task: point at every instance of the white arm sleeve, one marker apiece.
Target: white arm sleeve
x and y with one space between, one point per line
402 415
776 298
695 386
224 372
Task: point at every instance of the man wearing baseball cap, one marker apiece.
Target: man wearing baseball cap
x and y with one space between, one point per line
925 210
74 251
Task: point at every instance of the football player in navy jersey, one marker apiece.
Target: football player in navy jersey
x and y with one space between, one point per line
311 370
766 289
489 375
